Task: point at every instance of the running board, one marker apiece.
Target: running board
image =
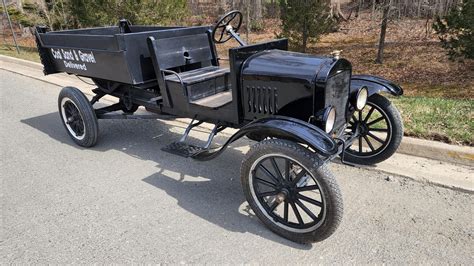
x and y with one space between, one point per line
181 148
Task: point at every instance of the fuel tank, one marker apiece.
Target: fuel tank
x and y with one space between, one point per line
272 80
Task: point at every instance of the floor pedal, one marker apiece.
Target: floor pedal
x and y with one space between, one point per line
182 149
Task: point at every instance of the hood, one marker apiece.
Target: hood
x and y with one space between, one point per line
287 66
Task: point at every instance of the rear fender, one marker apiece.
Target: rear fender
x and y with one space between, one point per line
284 128
374 85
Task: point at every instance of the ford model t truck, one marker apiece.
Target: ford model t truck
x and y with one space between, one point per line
302 110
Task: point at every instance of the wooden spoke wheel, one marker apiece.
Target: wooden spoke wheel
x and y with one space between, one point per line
380 132
291 191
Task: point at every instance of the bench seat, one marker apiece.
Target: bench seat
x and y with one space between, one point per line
198 75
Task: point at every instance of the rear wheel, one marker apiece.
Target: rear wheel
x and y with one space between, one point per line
290 191
78 117
381 132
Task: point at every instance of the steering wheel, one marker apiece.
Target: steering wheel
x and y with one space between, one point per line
232 19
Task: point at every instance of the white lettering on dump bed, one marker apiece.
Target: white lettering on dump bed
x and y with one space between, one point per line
73 65
74 59
87 57
67 54
56 54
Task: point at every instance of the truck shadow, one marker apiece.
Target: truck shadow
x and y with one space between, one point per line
210 190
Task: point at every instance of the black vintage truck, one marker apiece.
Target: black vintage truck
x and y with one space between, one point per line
303 110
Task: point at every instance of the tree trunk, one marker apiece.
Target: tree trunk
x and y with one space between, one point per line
373 10
258 11
336 11
383 30
359 8
305 37
247 20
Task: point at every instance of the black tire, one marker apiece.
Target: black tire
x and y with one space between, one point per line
312 173
78 117
380 147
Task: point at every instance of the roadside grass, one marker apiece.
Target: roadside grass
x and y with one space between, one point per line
446 91
26 53
447 120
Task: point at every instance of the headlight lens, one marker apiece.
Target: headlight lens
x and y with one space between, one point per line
329 119
361 100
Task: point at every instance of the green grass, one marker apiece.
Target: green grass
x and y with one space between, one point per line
448 120
27 53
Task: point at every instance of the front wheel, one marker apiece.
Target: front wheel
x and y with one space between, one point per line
381 132
291 191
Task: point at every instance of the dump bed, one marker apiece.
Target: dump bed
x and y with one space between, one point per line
118 54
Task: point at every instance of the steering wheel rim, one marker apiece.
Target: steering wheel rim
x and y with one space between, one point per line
222 24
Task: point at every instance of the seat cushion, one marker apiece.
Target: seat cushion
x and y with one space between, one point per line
199 75
215 101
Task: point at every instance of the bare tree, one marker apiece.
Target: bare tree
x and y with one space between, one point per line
258 10
336 11
383 30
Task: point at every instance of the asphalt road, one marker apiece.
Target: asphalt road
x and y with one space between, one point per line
126 201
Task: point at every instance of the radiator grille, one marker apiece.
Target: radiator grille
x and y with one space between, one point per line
337 95
261 100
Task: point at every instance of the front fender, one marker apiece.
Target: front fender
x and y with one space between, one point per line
285 128
375 84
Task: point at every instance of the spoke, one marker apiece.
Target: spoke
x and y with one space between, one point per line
266 194
298 177
285 211
354 118
222 35
310 200
369 143
268 173
307 188
274 205
265 182
379 129
375 137
375 121
66 111
73 126
287 170
297 213
232 18
360 115
275 166
360 143
305 209
369 114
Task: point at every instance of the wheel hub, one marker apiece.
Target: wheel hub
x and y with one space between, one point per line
363 128
280 197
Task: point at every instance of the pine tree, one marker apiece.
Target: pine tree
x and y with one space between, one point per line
456 30
304 21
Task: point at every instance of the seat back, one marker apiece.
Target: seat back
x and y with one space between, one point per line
184 47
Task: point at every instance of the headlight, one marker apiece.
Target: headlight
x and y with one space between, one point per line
329 119
361 98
